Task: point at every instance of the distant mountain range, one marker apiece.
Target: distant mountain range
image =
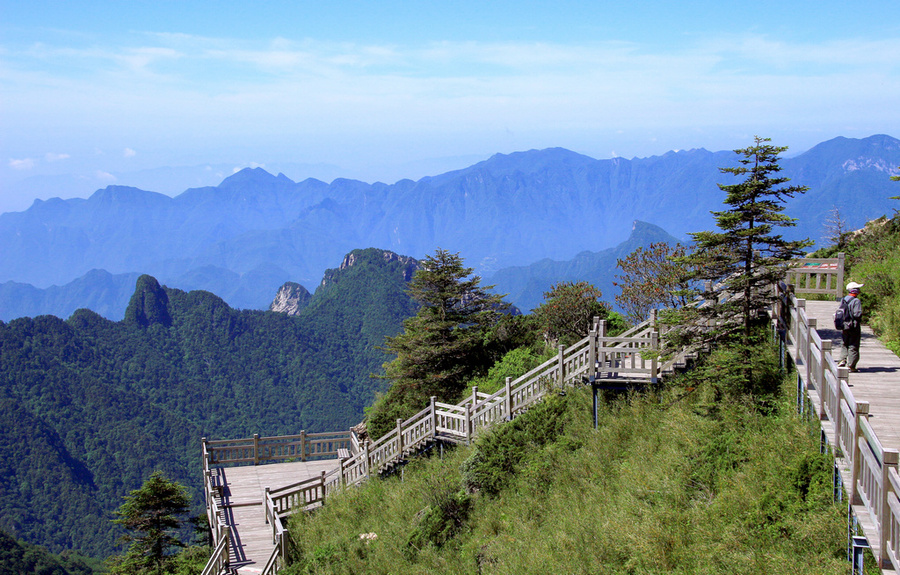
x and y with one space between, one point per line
253 232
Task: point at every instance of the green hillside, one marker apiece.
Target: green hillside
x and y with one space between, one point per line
687 481
94 406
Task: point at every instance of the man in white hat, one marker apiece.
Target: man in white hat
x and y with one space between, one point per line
852 332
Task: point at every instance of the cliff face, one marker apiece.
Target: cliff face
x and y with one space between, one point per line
406 265
290 299
357 266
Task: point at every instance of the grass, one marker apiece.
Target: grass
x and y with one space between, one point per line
700 481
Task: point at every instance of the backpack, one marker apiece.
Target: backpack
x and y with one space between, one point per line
842 319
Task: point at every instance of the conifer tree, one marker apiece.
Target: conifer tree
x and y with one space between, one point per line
746 254
151 515
438 351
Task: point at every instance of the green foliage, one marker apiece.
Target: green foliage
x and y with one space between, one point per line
92 407
500 454
652 279
152 517
513 364
664 485
746 254
442 346
568 310
17 558
739 373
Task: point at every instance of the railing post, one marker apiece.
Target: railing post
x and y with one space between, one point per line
842 374
468 424
474 395
810 371
509 400
399 438
561 366
891 458
839 288
861 410
821 382
601 352
654 362
266 504
302 445
434 417
255 449
368 459
592 352
322 485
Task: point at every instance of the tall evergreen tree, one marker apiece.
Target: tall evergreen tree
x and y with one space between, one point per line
746 255
439 350
151 514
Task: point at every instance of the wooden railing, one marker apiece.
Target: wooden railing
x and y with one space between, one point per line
817 276
258 449
219 529
632 355
867 468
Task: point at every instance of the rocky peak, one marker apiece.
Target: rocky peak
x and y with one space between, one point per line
290 299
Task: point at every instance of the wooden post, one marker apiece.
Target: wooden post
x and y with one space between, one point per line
266 504
434 418
842 374
601 345
810 371
303 445
592 352
861 410
255 449
399 438
821 382
468 424
368 458
654 365
839 288
891 457
322 487
509 400
474 395
561 366
343 479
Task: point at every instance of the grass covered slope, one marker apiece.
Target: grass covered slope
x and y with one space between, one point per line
701 481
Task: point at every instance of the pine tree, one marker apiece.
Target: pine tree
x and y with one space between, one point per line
440 348
151 515
746 255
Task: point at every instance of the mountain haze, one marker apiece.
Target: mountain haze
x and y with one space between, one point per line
255 231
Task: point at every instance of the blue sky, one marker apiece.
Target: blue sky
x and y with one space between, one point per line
98 90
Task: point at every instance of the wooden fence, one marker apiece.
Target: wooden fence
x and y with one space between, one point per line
867 468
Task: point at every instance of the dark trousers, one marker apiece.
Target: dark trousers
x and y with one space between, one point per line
850 347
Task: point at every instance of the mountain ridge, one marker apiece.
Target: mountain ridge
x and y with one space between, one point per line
508 210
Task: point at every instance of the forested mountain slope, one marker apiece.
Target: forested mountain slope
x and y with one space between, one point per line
92 407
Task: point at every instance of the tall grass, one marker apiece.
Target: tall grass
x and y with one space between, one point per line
666 484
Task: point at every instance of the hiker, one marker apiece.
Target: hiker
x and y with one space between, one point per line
852 328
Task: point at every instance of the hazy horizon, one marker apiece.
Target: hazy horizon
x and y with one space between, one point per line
381 91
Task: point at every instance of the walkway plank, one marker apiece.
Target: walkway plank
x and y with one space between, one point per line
878 378
242 502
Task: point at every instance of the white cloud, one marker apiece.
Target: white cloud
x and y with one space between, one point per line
51 157
23 164
128 153
104 176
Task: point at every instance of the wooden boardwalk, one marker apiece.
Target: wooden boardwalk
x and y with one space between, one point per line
241 502
878 378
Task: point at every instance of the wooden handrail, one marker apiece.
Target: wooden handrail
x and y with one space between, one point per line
874 482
